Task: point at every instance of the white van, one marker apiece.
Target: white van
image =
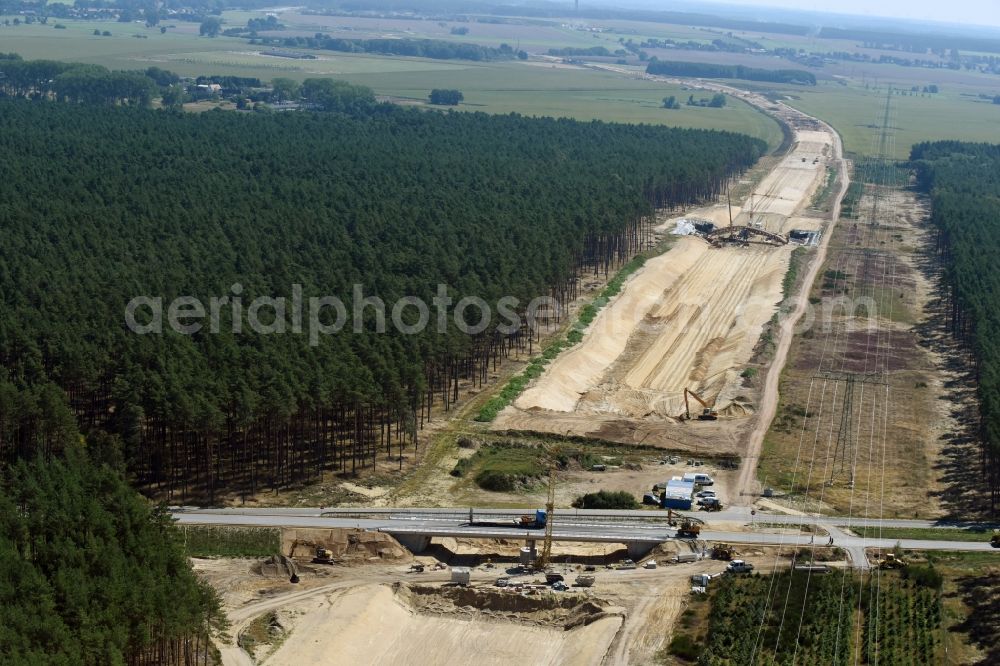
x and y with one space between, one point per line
699 479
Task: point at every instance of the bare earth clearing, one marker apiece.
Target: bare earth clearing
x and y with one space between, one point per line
689 319
898 432
376 612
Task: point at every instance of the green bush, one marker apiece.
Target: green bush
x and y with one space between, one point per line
461 467
606 499
502 467
684 647
496 480
924 576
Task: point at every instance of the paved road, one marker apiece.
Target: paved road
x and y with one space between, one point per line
627 527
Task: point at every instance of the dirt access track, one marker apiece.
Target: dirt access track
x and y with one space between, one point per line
690 318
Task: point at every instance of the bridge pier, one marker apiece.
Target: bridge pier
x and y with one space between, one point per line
415 543
639 549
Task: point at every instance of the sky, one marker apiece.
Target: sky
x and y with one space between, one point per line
975 12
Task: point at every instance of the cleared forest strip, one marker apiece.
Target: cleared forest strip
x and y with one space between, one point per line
688 319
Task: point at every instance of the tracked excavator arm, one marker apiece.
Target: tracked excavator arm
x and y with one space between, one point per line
707 413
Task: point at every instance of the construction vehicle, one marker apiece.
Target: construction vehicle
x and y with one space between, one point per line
550 506
687 527
995 541
323 556
890 561
553 577
416 568
723 551
584 580
707 413
537 521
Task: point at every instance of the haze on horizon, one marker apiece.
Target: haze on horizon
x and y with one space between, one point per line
971 12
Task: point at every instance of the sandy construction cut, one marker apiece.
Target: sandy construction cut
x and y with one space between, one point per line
689 319
370 624
683 322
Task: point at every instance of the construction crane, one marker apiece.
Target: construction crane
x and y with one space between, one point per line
550 504
707 414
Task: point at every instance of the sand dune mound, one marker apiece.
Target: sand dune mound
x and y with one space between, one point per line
346 544
376 624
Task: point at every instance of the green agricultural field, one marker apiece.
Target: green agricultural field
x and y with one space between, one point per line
584 94
530 88
946 115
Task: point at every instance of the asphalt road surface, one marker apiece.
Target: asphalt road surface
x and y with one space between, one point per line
580 525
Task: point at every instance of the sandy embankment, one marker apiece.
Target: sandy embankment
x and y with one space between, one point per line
371 624
686 321
689 319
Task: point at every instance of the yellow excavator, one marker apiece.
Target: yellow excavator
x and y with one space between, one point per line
707 413
688 527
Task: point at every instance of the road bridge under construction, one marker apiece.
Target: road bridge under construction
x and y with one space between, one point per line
638 531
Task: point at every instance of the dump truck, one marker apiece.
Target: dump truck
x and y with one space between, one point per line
723 551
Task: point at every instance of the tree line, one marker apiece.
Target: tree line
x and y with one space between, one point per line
706 70
963 180
437 49
89 572
78 82
100 205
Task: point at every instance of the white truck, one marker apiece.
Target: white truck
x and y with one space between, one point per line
699 479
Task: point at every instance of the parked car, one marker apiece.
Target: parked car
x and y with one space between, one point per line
651 499
739 566
705 493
